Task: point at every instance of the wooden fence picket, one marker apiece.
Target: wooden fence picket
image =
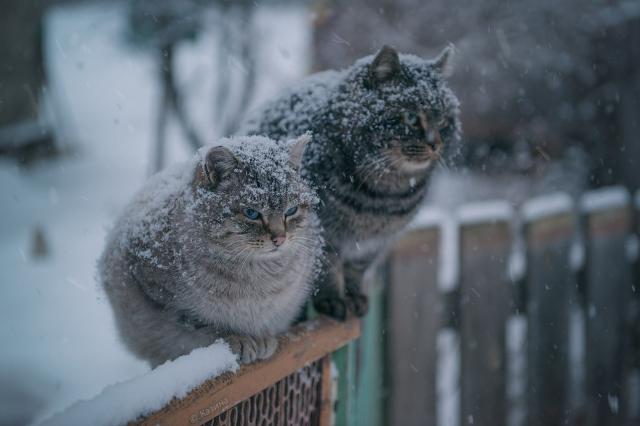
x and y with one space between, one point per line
551 293
608 293
415 317
486 297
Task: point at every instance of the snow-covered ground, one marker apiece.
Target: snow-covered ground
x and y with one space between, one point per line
59 343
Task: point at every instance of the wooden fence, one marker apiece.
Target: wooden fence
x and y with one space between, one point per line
516 316
490 315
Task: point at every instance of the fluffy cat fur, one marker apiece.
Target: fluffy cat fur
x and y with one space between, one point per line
223 246
379 127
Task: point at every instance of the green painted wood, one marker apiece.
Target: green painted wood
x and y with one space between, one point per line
371 394
345 362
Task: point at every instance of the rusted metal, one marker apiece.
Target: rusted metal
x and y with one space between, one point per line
294 400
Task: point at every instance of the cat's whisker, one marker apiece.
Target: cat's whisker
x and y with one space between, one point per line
373 167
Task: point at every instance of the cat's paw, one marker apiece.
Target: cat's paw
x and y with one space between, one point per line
250 349
335 307
358 303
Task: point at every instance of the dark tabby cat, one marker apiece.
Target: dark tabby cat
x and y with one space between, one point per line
379 127
223 246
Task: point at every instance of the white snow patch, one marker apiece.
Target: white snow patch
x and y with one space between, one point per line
605 198
123 402
448 276
577 254
485 211
546 205
637 197
516 335
448 378
427 217
517 267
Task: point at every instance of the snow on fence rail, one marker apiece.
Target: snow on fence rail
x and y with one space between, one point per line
453 335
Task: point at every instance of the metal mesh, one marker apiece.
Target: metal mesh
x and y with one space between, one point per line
294 400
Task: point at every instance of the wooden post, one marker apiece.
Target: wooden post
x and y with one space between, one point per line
486 296
371 398
550 284
608 293
415 313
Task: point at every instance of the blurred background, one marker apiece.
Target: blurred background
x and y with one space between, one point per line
97 95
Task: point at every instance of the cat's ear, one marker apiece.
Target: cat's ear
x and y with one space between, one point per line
219 162
296 151
444 61
385 66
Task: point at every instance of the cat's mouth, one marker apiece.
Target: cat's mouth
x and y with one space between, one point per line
417 153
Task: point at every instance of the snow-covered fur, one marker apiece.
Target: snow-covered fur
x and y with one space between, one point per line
223 246
379 128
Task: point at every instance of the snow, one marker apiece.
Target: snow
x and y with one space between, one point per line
449 254
605 198
427 217
448 378
637 197
577 254
485 211
517 267
546 205
123 402
516 336
63 342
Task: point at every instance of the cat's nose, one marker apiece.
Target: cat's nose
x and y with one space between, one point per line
278 240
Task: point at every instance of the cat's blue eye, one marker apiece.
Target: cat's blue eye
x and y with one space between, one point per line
291 211
411 119
251 213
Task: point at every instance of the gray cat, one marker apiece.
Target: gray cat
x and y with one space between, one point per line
223 246
379 127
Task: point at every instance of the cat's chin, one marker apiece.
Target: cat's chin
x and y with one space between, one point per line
413 166
271 253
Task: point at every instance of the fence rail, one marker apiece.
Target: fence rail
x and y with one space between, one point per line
293 387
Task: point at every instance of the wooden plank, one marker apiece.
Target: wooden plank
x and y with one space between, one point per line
485 303
551 293
415 317
304 344
608 292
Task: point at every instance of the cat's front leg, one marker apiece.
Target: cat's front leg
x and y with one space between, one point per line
329 297
251 349
357 301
